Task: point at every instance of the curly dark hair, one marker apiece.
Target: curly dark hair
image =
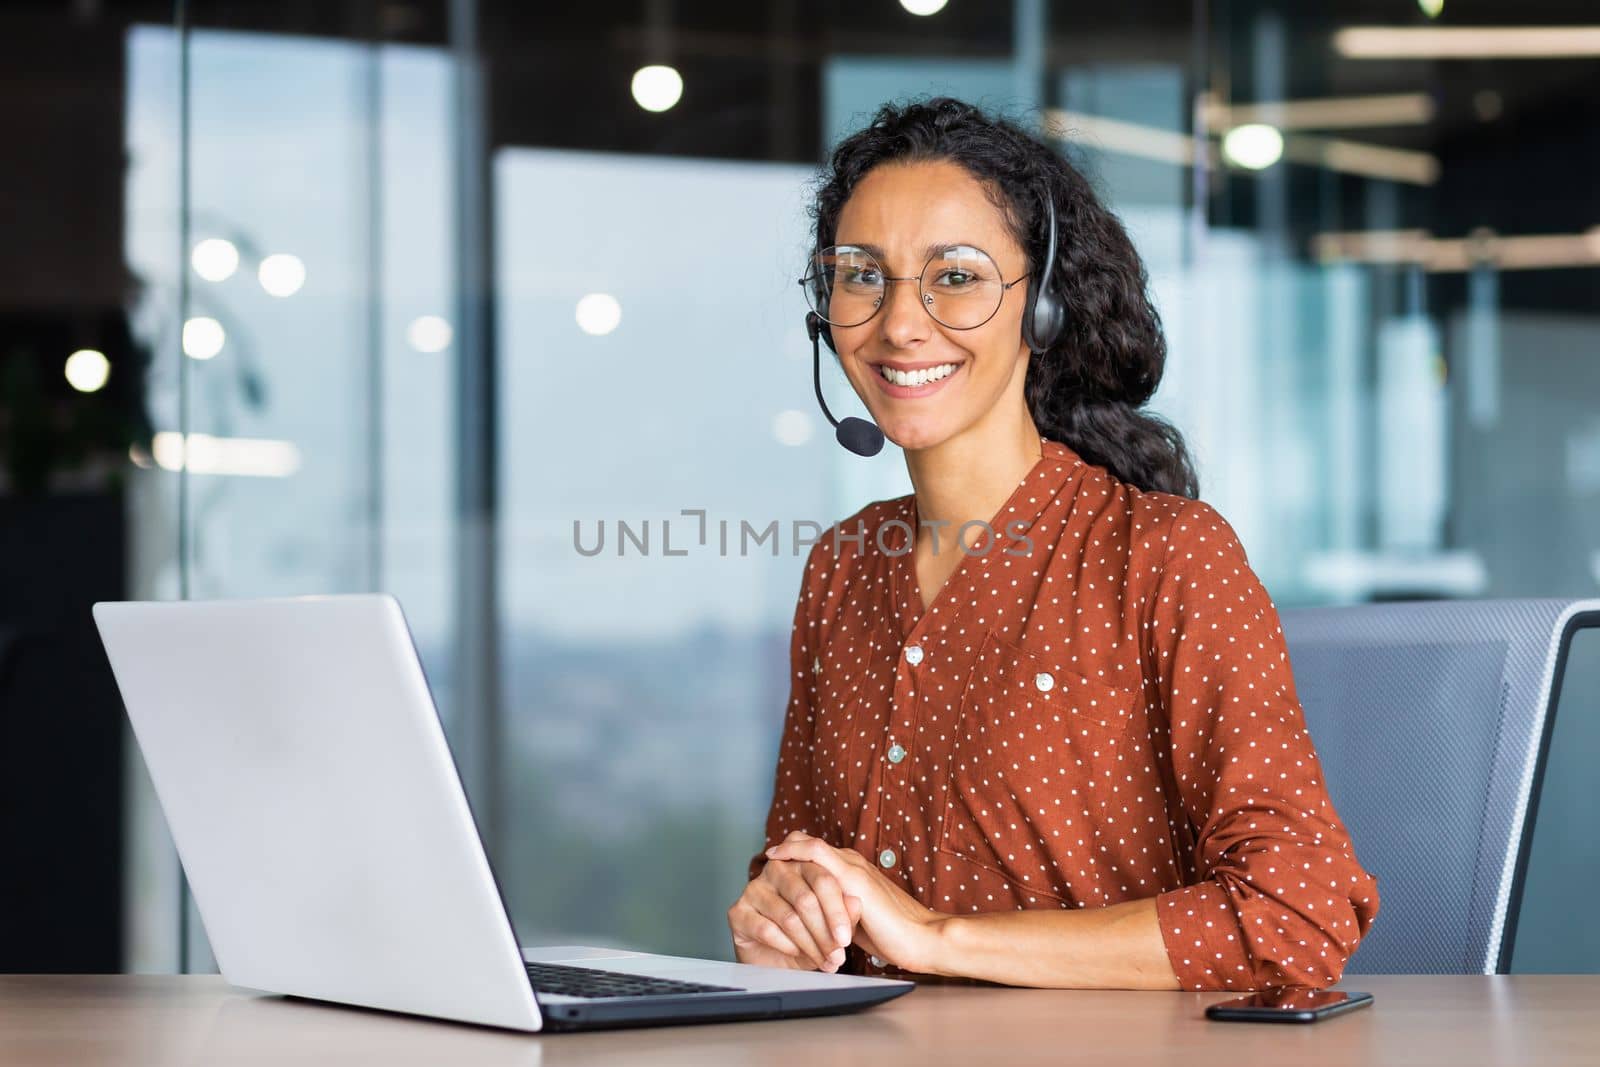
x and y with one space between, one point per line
1086 389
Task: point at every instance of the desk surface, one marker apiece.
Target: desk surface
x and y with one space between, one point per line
1526 1020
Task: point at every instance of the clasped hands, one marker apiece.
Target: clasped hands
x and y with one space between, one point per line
811 900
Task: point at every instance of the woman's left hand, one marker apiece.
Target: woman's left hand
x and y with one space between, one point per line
893 925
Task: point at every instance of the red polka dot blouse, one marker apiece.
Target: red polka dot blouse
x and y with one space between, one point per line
1097 707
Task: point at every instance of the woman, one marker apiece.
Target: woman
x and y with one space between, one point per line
1064 750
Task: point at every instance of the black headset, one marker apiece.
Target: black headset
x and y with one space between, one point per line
1043 321
1045 317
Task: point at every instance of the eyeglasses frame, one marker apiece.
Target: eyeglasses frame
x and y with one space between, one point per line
1005 287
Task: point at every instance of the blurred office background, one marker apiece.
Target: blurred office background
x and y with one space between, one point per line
397 294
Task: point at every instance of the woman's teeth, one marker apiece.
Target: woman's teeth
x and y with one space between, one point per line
917 377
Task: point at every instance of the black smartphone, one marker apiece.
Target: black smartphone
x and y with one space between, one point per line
1288 1006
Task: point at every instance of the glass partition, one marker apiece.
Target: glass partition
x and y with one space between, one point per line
492 306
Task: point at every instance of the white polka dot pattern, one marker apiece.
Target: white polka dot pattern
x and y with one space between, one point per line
1107 717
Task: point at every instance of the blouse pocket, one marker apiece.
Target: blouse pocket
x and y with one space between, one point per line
1036 753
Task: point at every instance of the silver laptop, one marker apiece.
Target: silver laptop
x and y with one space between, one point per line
299 759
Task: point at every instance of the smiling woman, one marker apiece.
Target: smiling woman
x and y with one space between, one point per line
1071 755
940 179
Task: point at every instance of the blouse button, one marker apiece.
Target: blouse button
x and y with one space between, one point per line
875 961
886 858
1044 681
896 753
913 654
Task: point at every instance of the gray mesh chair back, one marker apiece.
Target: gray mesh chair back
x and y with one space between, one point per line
1431 719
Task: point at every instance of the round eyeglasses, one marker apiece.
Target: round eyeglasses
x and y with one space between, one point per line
960 286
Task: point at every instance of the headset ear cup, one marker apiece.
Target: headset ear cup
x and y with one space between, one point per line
1043 319
1047 321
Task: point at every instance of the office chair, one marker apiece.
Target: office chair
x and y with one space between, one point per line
1433 720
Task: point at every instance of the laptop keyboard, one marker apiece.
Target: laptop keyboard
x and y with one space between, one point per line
590 982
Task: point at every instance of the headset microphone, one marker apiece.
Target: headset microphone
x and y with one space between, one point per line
858 435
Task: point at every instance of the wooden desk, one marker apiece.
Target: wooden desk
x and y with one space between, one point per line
1522 1020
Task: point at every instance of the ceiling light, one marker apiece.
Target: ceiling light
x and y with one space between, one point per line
429 333
1116 135
1467 42
657 88
598 314
282 274
214 259
1367 160
1441 255
87 370
1254 146
201 453
1326 113
203 337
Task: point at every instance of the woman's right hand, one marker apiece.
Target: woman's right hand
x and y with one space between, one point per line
793 914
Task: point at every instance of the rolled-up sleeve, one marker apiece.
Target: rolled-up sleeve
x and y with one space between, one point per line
1279 898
